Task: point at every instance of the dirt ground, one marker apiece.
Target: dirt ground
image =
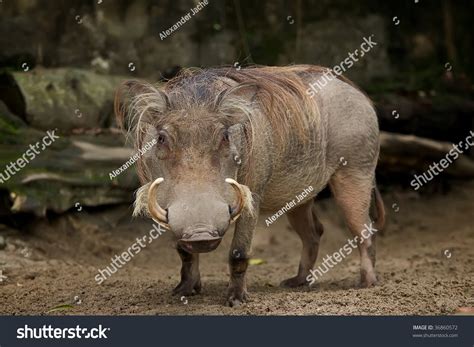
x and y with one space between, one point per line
425 263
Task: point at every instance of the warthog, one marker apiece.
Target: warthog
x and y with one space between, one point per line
232 143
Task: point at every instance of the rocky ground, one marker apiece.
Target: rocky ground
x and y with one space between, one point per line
425 263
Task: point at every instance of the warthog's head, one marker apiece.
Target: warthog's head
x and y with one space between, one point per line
189 175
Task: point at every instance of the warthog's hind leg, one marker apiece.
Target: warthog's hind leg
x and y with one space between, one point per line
352 191
307 225
190 277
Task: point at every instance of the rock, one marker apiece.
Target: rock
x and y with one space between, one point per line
318 46
3 243
62 98
8 121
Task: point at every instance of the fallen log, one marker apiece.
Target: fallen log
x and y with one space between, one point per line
412 154
442 117
72 171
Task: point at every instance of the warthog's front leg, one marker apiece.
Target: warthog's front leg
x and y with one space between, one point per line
304 221
190 276
238 259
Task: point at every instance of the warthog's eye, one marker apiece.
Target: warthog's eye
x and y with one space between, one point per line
163 145
224 140
225 136
162 138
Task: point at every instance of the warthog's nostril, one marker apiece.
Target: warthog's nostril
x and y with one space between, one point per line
196 233
186 236
230 210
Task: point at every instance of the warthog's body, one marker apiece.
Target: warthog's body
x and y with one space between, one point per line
280 142
346 132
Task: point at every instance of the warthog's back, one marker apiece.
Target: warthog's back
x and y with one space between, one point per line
345 131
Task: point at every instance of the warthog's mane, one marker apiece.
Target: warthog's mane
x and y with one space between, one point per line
279 93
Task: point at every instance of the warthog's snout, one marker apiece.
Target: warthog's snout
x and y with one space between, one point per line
198 220
200 240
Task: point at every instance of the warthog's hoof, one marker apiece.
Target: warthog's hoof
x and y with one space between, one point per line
236 298
367 280
188 287
294 282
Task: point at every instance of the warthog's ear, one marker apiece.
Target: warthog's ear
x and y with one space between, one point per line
237 97
135 101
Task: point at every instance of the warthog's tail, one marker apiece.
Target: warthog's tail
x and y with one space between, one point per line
377 210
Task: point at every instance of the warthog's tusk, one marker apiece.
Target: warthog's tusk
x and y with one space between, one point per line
240 199
158 214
